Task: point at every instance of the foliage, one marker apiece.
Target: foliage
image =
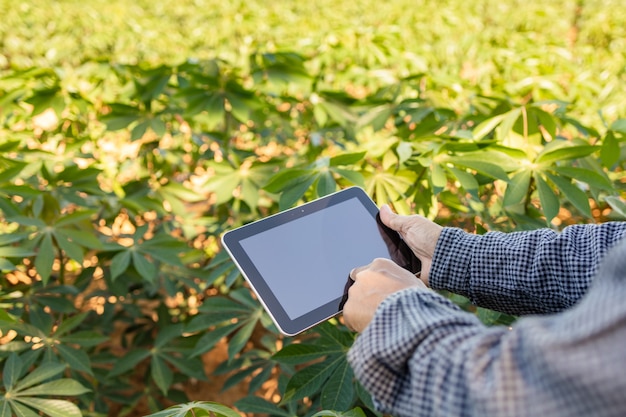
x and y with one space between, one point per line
118 175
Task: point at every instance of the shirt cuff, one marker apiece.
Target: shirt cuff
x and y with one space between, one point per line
450 268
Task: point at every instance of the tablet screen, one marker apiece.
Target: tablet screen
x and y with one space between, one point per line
318 252
298 261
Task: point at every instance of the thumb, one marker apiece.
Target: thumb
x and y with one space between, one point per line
390 219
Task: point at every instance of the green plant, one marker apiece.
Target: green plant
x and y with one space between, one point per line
118 175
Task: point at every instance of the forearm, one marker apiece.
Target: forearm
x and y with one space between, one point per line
422 356
526 272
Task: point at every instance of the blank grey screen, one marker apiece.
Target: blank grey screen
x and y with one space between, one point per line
306 262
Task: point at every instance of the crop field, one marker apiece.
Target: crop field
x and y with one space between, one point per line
134 133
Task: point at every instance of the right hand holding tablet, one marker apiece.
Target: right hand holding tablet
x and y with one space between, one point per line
419 233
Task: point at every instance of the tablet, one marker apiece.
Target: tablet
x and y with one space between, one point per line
298 261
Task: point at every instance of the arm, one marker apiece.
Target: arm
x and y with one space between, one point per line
519 273
422 356
538 271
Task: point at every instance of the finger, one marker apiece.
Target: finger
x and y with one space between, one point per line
391 219
357 270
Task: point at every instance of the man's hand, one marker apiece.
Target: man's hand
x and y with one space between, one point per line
418 232
372 284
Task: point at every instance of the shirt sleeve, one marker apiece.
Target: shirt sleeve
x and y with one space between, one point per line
531 272
423 356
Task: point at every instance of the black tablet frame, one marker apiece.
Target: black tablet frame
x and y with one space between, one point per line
290 327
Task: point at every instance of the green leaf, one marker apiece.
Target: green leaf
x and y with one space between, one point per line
241 337
86 239
309 380
12 371
517 188
15 252
288 178
45 258
619 126
352 176
63 387
332 336
146 268
167 334
71 249
289 197
23 411
588 176
46 371
128 361
610 151
53 408
617 204
77 359
438 176
211 338
5 408
347 159
86 338
70 323
188 366
298 353
486 127
355 412
549 201
161 373
467 180
338 391
257 405
183 410
486 168
326 184
573 194
120 263
549 156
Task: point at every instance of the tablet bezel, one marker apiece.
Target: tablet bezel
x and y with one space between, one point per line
286 325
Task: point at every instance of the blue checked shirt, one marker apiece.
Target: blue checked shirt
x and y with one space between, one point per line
423 356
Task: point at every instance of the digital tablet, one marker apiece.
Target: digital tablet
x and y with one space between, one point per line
298 261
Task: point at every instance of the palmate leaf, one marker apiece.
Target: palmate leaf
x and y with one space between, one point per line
21 399
197 409
309 380
338 392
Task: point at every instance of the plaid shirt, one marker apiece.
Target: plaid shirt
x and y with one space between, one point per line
423 356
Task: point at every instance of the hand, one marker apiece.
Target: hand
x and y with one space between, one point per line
372 284
420 234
